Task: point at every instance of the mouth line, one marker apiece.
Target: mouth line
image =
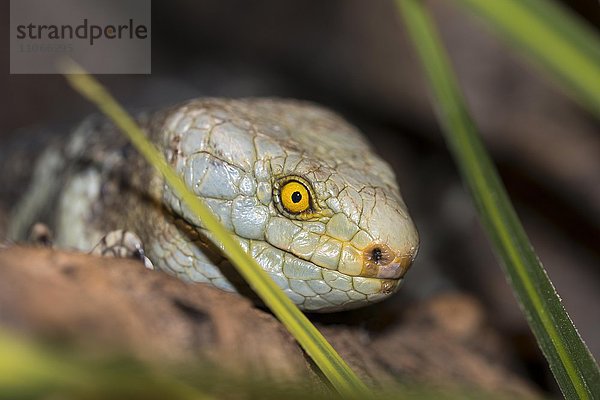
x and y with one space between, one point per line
391 280
375 278
372 288
380 262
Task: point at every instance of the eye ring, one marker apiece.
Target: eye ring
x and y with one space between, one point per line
294 197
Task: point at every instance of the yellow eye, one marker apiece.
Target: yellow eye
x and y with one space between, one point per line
295 197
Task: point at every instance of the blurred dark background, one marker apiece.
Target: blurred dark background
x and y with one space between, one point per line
354 57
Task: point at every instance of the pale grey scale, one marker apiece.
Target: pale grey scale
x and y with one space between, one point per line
319 286
317 303
249 217
301 287
336 297
297 298
281 280
234 145
356 296
267 149
338 281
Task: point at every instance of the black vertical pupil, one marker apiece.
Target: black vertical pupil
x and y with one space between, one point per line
296 197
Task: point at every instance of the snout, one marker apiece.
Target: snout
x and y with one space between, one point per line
381 261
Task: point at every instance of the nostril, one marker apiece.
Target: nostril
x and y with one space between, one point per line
376 254
380 261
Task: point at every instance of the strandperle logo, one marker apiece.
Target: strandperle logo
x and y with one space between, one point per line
85 30
103 36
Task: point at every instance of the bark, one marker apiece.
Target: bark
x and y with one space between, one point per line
114 305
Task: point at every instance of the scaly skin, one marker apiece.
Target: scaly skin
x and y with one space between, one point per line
351 248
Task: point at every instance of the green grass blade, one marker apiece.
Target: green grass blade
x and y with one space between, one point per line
21 362
554 37
312 341
31 370
572 364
